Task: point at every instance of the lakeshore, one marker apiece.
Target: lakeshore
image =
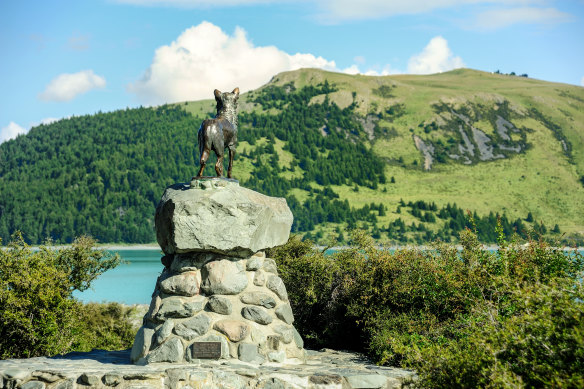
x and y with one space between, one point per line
133 281
114 247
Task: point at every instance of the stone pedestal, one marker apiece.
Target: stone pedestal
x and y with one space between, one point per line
218 296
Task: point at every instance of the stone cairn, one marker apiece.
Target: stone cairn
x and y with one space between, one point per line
219 296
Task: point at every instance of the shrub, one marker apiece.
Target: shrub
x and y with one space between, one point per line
526 329
540 345
313 280
464 318
105 326
39 314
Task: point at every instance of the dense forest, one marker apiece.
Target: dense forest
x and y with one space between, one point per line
103 174
100 175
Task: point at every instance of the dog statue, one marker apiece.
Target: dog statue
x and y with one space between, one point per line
221 132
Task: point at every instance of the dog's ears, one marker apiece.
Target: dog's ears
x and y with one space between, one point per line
217 93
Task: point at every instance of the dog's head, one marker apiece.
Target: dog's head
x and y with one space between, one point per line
226 100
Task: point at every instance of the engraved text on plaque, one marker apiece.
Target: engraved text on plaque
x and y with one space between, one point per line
207 350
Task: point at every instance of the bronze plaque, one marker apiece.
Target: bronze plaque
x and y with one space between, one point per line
206 350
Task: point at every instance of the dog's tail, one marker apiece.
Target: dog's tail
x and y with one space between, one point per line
201 138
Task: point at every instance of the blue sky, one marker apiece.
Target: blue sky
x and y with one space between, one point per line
64 58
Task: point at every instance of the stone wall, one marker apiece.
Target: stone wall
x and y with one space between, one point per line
218 295
203 297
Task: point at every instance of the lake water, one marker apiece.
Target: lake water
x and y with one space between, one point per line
130 283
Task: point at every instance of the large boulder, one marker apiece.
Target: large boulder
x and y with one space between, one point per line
217 215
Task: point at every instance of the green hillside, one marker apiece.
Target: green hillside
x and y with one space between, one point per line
402 156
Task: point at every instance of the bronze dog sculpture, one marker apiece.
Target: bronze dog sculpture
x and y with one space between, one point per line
221 132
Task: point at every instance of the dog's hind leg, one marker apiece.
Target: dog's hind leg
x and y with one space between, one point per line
219 164
231 155
203 161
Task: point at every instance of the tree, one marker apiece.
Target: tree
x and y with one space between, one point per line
39 314
382 210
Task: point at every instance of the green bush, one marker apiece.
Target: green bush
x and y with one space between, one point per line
39 314
313 280
540 345
104 326
460 318
526 329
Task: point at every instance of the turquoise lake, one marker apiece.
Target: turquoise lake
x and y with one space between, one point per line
129 283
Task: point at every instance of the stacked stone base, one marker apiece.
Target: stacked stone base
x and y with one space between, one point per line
240 305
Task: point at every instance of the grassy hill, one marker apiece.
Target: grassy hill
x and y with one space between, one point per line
391 154
544 175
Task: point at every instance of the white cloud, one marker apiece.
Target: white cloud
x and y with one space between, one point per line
11 131
501 18
14 129
435 58
353 69
194 3
203 58
67 86
582 81
385 71
340 10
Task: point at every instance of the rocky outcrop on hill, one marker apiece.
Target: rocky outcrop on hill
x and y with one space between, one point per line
465 142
